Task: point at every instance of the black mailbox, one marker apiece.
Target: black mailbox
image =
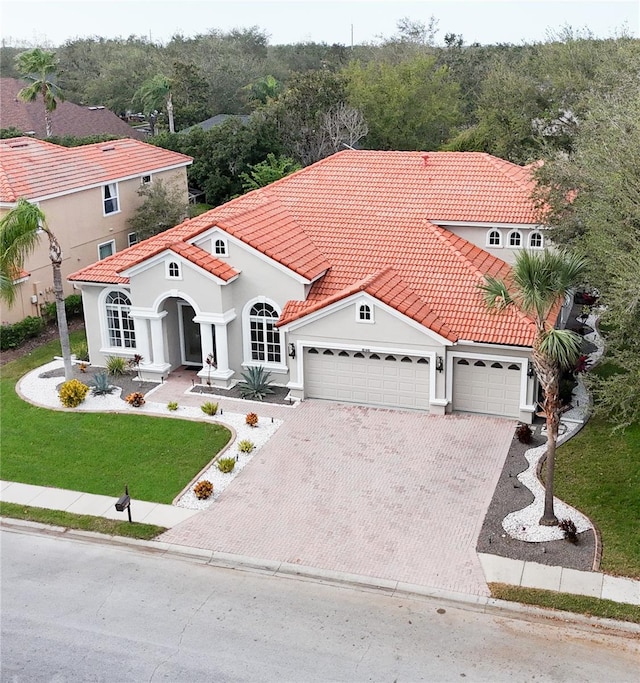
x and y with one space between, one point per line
123 503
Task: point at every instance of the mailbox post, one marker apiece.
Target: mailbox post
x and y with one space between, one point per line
124 502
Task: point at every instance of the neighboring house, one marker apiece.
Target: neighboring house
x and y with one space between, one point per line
217 120
87 194
354 279
67 119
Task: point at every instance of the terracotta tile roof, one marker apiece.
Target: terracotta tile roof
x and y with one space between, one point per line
368 219
34 169
67 119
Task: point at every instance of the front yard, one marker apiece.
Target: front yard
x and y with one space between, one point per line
99 452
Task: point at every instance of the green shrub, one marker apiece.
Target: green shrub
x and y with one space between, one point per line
172 405
81 351
101 385
246 446
203 489
226 465
255 384
49 312
73 306
72 393
116 366
209 408
12 336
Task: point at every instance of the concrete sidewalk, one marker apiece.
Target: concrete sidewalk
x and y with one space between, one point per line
90 504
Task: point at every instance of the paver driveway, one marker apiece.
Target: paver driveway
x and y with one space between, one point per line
382 493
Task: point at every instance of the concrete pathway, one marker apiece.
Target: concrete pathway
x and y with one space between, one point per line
91 504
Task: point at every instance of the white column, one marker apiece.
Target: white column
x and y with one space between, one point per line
222 347
157 340
206 341
143 347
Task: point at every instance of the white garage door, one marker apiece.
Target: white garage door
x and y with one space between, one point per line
486 387
377 379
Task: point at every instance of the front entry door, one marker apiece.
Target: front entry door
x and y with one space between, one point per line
190 336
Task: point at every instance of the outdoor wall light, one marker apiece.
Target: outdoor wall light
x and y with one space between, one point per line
439 363
530 370
292 350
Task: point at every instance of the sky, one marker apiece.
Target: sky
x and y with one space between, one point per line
30 22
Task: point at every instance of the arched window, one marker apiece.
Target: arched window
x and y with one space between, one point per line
535 240
494 238
364 313
173 270
119 325
265 336
220 248
515 239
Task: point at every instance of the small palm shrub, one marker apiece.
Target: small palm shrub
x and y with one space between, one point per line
100 385
172 405
81 351
209 408
136 399
226 465
72 393
116 366
255 383
569 529
246 446
251 419
524 433
203 489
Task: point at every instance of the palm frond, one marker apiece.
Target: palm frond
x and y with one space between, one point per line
495 293
560 346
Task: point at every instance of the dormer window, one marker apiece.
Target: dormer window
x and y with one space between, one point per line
515 239
494 238
220 248
535 240
364 313
173 271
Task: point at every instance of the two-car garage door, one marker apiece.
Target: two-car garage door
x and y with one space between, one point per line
481 386
382 379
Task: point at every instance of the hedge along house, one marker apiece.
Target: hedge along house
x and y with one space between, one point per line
354 279
87 194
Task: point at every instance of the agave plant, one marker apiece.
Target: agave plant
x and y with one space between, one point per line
255 383
100 385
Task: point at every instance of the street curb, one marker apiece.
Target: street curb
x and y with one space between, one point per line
286 569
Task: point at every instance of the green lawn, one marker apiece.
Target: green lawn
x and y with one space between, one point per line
598 472
99 453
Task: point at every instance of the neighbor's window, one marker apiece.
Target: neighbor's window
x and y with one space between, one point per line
535 240
515 239
494 238
265 337
146 179
119 325
106 249
110 196
132 238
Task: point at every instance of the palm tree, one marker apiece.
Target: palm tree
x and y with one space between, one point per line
156 92
37 66
20 231
537 286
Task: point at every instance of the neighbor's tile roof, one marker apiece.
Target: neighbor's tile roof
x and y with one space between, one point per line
367 220
34 169
67 118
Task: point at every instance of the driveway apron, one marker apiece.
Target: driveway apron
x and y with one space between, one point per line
391 494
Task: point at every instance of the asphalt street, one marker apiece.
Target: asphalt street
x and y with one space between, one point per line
80 611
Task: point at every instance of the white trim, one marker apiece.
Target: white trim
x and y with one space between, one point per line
164 256
515 246
518 360
348 301
490 345
488 239
104 244
106 181
129 242
225 246
535 232
492 224
106 199
209 233
216 318
248 361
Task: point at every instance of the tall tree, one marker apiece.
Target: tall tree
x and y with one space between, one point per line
163 207
38 67
538 285
268 171
20 231
156 94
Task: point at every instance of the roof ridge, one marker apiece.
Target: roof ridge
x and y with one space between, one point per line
523 182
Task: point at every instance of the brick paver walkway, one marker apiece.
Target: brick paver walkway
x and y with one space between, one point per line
382 493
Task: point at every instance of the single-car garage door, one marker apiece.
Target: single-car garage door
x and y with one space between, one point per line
372 378
486 387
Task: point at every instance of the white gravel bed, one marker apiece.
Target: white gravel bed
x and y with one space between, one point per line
42 391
